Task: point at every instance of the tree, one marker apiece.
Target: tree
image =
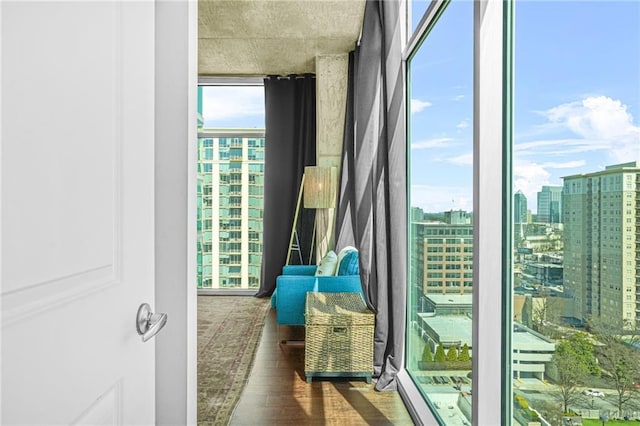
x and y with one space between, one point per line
544 310
583 346
574 360
427 356
621 363
452 353
550 411
464 353
440 356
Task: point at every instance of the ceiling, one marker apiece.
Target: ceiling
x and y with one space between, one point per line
273 37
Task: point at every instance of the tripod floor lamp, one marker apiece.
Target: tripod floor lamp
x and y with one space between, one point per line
318 190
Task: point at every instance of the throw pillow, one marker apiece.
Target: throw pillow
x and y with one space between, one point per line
327 265
342 253
349 264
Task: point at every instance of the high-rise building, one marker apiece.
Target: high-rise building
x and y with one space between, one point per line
550 204
448 254
457 217
417 214
230 207
601 216
519 208
448 259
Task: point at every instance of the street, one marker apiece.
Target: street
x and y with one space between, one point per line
549 394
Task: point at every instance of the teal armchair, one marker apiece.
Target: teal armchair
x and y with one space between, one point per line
296 280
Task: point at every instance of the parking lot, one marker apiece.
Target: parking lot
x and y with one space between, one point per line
444 380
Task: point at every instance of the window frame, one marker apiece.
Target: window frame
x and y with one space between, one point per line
492 207
228 138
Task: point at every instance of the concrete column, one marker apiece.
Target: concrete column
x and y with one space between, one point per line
331 95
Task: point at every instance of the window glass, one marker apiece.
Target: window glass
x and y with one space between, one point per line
576 282
230 185
439 335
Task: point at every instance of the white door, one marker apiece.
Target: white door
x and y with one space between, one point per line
77 256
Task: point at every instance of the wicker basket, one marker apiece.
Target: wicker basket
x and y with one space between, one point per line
339 336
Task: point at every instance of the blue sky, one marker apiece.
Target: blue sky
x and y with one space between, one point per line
441 133
577 97
233 107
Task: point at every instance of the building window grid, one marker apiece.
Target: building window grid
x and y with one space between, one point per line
228 160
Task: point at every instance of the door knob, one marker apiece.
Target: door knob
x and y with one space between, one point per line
147 323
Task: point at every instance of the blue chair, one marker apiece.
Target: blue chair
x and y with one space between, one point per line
296 280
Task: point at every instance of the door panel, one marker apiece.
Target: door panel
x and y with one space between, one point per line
77 126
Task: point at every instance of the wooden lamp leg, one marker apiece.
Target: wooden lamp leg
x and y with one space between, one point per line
295 221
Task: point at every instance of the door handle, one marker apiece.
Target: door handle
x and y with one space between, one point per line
149 324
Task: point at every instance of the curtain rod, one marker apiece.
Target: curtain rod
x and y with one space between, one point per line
290 76
230 81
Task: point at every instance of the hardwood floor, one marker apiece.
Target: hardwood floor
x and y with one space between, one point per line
277 393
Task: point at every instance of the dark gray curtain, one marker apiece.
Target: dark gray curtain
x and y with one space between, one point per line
372 204
290 145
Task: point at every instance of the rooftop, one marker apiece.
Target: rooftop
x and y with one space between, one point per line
450 328
451 299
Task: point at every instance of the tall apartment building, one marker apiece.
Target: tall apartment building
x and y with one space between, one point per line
519 208
230 207
550 204
601 216
448 255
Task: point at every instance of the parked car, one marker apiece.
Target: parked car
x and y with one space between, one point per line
593 392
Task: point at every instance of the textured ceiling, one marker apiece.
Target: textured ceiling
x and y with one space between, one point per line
261 37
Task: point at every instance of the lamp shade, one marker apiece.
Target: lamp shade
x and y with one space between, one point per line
320 187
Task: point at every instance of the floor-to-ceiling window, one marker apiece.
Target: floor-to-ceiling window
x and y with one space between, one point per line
230 184
457 337
566 99
556 89
439 336
576 211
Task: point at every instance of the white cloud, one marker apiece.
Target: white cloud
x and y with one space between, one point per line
417 105
226 102
565 165
463 124
602 123
431 143
557 147
594 117
458 97
465 159
442 198
529 177
535 146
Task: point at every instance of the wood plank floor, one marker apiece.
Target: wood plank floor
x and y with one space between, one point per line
277 393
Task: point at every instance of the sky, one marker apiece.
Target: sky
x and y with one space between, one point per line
576 98
233 107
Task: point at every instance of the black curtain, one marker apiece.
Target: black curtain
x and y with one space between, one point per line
372 201
290 145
